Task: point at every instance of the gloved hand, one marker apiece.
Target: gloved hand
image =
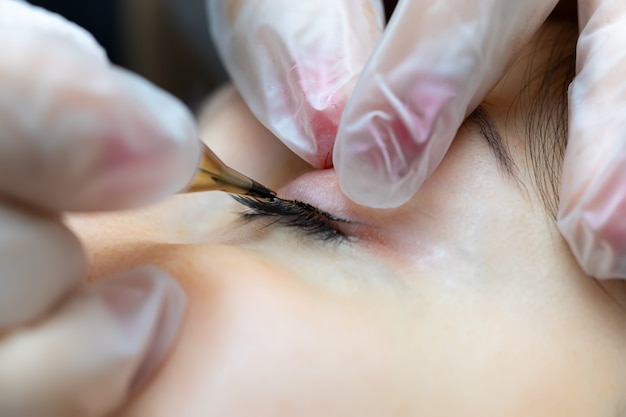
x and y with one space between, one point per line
592 215
296 64
78 134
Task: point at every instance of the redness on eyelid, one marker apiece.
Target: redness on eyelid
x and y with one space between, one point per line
374 228
320 189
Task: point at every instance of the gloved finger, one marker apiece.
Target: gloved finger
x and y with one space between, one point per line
19 15
100 344
593 197
435 63
243 143
78 133
41 262
296 62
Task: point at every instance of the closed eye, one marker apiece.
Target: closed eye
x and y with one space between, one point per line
296 214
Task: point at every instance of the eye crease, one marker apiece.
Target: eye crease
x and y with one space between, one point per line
296 214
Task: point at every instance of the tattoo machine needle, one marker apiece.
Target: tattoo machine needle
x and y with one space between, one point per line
214 175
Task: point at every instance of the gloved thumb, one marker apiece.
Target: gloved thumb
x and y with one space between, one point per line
295 63
99 345
435 63
593 198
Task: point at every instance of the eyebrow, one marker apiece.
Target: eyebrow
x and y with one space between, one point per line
492 135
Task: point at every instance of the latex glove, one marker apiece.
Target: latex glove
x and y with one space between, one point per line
592 215
78 134
296 63
434 64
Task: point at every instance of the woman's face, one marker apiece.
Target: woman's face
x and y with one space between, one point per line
465 301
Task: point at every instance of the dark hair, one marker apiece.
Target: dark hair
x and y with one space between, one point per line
540 112
544 99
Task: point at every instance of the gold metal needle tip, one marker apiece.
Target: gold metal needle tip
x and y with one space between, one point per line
213 174
260 191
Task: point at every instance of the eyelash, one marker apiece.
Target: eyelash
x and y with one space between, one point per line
296 214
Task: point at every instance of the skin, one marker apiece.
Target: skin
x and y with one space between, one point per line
465 301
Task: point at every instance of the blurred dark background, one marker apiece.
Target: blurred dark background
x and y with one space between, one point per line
166 41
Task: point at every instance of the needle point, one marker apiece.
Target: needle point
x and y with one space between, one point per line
261 191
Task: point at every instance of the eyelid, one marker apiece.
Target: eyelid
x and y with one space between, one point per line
291 213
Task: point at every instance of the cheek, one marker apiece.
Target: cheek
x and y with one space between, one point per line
259 341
